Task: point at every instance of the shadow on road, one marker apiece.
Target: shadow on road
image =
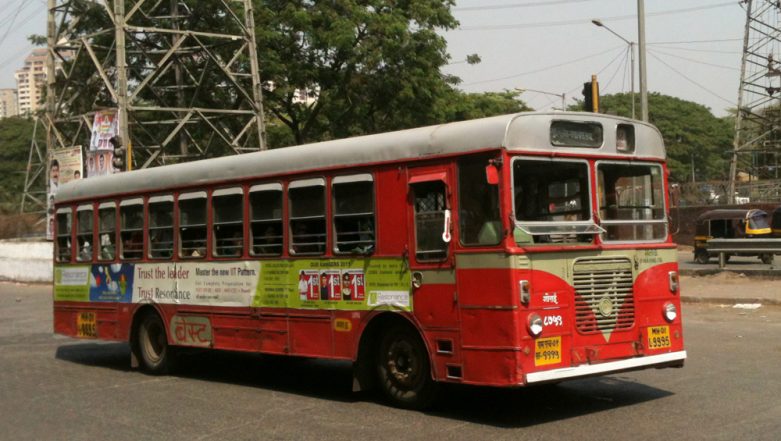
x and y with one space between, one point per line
332 380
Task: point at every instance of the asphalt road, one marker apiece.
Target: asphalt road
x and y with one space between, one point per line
57 388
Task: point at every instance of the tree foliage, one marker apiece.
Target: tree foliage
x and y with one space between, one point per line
694 137
15 136
372 65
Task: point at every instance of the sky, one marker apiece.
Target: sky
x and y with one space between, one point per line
693 47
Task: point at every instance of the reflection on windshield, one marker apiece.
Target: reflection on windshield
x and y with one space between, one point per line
759 221
551 199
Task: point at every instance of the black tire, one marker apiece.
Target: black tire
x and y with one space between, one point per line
154 353
404 370
766 258
701 257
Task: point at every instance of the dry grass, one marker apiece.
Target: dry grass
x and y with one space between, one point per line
21 225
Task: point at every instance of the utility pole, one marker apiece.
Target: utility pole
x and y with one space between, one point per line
631 57
643 71
123 109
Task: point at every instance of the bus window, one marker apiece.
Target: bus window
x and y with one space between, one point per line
63 235
107 226
353 202
161 227
84 233
266 219
478 204
228 232
307 216
631 201
430 207
192 225
551 201
625 138
131 213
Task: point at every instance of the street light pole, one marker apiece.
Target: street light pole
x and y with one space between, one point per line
563 96
631 58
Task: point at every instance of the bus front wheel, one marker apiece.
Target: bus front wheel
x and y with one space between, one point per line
404 370
152 345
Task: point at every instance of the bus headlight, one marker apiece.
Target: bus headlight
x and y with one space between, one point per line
670 312
535 325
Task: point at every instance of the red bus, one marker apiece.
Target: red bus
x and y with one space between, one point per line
506 251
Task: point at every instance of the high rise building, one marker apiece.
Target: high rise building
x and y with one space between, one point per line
8 106
31 81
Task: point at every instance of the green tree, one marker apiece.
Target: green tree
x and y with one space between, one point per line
372 65
460 106
15 136
694 137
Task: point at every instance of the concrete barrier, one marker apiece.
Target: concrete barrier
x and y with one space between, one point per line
26 261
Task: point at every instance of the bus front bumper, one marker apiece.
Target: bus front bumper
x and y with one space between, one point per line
671 359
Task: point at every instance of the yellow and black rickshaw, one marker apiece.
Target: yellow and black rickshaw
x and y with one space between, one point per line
730 224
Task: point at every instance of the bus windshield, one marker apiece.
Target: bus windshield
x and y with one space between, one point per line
631 201
551 201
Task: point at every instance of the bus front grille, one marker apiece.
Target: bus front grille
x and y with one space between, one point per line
604 298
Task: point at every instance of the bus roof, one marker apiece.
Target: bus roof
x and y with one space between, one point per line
529 131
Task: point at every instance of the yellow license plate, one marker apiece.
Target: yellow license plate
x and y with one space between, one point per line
87 325
547 351
659 337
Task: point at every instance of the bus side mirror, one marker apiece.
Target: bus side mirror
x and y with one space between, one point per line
492 174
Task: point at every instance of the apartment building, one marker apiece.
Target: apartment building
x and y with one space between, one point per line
31 82
8 105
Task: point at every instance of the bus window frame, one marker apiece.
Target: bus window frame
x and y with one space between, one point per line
69 211
99 239
81 257
310 182
665 219
349 179
132 201
265 187
232 190
155 199
186 196
489 156
592 228
425 176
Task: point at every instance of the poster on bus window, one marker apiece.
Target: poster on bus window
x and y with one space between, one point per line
104 127
64 166
338 284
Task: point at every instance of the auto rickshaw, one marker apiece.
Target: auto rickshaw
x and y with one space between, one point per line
731 224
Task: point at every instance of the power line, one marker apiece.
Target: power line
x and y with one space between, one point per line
588 20
700 86
22 5
688 49
543 69
517 5
610 81
696 41
720 66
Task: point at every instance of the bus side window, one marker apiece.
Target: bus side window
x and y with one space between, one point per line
192 225
107 226
266 219
84 233
353 202
63 235
478 204
307 216
131 213
430 206
161 227
228 232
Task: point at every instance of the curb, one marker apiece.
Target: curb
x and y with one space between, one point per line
767 274
729 300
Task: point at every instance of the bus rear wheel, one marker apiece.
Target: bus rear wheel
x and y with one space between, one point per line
155 354
404 369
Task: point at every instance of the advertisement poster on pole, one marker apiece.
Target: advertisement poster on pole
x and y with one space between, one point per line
65 165
104 127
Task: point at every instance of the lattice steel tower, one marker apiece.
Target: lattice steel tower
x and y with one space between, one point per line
183 74
758 119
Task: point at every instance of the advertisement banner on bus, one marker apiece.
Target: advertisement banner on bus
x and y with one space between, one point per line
339 284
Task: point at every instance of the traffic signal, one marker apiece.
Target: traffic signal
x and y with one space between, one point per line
119 153
591 95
